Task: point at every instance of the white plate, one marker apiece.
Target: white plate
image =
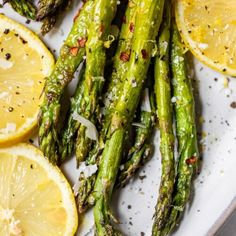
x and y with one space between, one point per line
215 187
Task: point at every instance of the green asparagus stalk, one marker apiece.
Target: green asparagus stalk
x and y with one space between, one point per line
104 184
69 132
49 20
119 68
123 51
71 55
48 23
148 20
141 150
98 35
24 8
186 131
165 115
48 7
85 198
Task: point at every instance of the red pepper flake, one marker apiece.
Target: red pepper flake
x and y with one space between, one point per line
74 51
192 160
123 19
124 56
131 27
102 28
82 42
144 54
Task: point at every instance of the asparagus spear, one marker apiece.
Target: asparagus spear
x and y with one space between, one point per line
48 23
186 131
50 19
119 67
24 8
72 125
71 55
142 147
122 56
98 33
85 199
47 7
165 115
147 23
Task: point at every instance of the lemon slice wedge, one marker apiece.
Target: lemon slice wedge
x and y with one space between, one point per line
24 63
35 198
208 28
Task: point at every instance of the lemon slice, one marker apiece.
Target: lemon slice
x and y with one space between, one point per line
35 198
208 28
24 63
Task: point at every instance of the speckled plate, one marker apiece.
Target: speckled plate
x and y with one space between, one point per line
215 187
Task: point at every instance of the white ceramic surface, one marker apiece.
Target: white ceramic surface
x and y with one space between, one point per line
215 187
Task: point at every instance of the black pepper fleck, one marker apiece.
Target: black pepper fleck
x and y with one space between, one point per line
7 56
10 109
6 31
141 177
31 140
23 41
233 105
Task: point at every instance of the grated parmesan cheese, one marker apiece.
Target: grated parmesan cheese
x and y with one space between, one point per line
91 131
146 106
87 170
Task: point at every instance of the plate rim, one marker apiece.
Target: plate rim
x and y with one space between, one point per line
222 218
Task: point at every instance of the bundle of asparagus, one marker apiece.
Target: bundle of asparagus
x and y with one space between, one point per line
165 115
175 189
47 11
100 117
186 135
71 55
